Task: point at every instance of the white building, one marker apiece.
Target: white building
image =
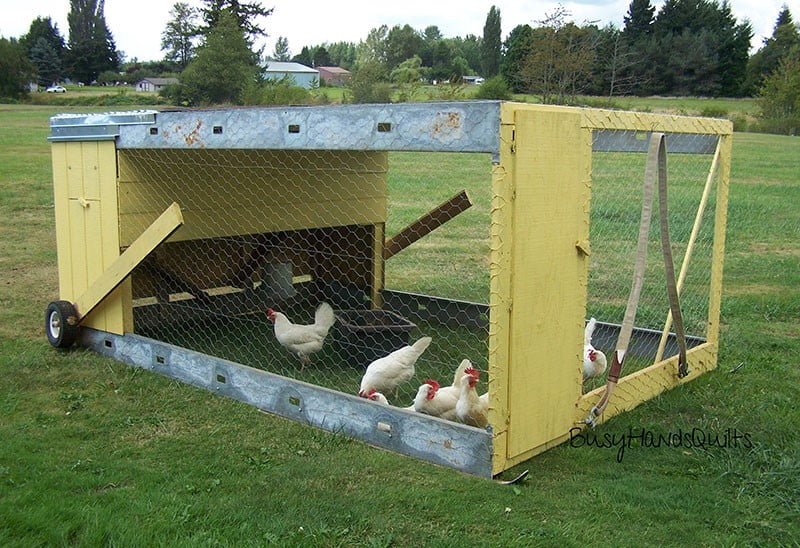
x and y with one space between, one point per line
302 75
154 84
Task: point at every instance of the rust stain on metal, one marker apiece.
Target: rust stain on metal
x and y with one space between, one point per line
448 444
193 137
446 122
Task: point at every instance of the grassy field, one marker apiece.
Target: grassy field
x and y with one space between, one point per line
97 453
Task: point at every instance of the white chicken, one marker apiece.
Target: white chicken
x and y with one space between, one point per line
594 361
377 397
389 372
462 367
472 409
303 340
435 401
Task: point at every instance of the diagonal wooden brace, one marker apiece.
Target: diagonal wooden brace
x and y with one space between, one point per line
427 223
161 229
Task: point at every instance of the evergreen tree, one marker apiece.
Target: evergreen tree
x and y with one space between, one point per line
178 37
91 45
224 67
321 57
46 61
785 37
281 50
492 44
15 70
43 27
517 47
304 57
638 22
246 15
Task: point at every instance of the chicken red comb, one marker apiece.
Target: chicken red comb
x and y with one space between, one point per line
270 311
433 383
372 392
472 372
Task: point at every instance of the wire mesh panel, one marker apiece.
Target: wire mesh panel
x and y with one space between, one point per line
616 209
289 230
318 240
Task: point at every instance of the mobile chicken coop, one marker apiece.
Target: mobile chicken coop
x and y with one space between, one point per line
496 228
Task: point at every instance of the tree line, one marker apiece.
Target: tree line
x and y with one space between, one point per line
687 47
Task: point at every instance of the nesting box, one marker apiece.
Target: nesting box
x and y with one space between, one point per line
497 228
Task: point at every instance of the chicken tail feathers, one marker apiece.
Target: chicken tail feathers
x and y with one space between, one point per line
589 331
421 345
324 316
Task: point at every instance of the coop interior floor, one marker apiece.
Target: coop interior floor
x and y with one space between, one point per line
249 340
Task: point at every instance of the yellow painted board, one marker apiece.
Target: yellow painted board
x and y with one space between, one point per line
195 163
501 238
211 223
270 193
61 205
648 383
633 121
718 250
639 387
552 174
110 278
378 264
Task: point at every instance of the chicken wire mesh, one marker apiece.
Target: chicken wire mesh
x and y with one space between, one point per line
616 208
326 215
213 294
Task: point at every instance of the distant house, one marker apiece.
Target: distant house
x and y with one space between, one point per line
473 79
155 84
302 75
334 76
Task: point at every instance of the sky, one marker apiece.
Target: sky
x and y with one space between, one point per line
137 24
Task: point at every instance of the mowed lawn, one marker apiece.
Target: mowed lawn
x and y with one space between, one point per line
93 452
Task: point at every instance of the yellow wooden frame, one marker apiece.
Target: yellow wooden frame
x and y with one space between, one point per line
540 208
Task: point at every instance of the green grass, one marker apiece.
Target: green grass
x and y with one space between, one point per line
93 452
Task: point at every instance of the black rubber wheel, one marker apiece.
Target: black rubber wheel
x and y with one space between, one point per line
61 324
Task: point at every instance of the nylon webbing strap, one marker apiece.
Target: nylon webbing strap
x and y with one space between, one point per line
669 267
624 338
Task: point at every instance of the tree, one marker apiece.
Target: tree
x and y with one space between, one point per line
402 43
246 15
44 28
15 70
91 45
559 65
343 54
371 53
304 57
492 43
281 50
702 50
224 67
178 37
469 48
517 47
617 60
785 37
47 63
638 22
779 98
